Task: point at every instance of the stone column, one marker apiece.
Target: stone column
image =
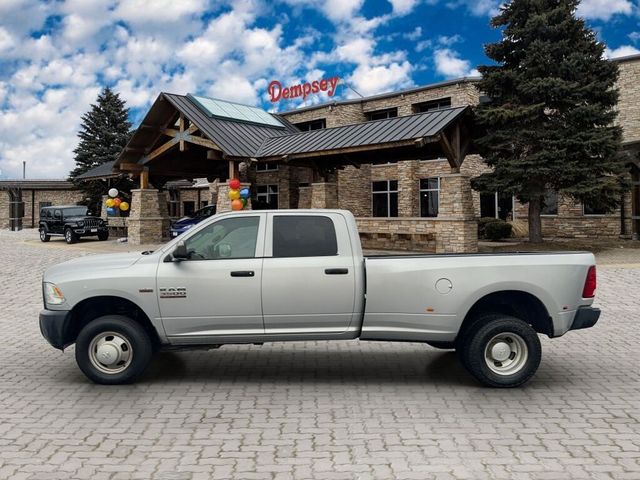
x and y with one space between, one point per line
223 204
304 197
4 209
354 190
213 191
408 188
324 195
103 207
149 219
456 225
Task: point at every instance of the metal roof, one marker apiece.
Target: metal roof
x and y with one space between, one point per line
104 170
235 138
391 130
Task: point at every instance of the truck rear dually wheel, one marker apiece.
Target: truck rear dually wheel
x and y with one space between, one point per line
501 351
113 349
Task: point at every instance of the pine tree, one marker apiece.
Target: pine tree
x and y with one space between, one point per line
548 124
104 132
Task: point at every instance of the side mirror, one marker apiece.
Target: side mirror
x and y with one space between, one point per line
180 252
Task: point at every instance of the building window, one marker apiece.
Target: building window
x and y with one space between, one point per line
497 205
267 197
429 196
174 202
592 209
266 167
188 208
312 125
385 198
550 203
382 114
303 236
432 105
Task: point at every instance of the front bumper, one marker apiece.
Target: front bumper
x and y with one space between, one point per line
55 327
90 231
586 317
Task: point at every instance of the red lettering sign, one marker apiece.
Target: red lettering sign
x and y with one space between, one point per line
277 92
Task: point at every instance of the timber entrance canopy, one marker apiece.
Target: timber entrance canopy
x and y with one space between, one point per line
190 136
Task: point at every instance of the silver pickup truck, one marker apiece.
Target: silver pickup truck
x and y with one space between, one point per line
291 275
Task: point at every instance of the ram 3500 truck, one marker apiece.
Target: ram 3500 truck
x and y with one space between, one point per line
265 276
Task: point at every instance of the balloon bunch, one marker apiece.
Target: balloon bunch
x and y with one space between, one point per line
239 197
114 203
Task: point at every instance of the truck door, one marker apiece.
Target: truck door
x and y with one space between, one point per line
217 290
308 278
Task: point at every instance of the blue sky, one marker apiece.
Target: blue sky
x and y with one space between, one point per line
56 55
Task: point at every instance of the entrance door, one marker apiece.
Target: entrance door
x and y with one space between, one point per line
308 282
217 290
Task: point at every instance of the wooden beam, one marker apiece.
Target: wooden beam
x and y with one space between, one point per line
131 167
449 151
160 150
203 142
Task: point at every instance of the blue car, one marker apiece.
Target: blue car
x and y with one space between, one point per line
185 223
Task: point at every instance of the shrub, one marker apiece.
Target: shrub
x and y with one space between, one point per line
482 224
497 230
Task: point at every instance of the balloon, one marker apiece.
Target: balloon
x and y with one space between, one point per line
234 184
236 205
244 193
113 192
109 202
234 194
117 202
111 211
244 202
124 206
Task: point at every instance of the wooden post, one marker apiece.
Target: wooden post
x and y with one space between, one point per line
181 123
233 169
144 178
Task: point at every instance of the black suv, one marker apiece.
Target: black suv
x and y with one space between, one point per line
71 221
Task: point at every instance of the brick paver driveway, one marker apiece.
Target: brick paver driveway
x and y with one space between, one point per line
342 410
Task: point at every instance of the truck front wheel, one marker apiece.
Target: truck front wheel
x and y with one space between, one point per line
113 349
501 351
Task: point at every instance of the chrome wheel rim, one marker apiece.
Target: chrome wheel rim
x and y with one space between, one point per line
42 234
110 352
506 353
67 235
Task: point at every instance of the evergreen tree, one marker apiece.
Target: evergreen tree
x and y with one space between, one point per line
104 132
549 122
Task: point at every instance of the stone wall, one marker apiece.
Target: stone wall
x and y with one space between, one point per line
354 190
324 195
629 101
5 200
417 234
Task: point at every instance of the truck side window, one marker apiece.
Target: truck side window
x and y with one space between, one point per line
303 236
228 238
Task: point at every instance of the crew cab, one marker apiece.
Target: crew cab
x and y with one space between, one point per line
290 275
71 222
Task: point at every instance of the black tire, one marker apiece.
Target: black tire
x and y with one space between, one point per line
44 236
70 236
102 236
128 334
442 345
509 335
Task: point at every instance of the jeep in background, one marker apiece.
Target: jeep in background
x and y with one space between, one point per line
72 222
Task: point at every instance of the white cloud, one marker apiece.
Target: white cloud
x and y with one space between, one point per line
622 51
479 8
369 79
402 7
413 35
604 9
450 65
6 40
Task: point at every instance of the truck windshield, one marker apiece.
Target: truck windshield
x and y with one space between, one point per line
75 212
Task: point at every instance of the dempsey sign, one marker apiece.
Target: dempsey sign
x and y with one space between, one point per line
277 92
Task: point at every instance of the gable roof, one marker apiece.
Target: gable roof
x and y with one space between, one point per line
104 170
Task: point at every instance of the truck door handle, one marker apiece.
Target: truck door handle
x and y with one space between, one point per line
243 273
336 271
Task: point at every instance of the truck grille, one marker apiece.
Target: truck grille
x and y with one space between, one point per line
92 222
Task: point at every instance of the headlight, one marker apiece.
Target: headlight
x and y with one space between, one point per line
80 224
52 294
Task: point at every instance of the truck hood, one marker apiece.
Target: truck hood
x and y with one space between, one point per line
90 264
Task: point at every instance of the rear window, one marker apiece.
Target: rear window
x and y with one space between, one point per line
303 236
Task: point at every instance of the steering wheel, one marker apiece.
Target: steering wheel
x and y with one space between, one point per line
194 254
